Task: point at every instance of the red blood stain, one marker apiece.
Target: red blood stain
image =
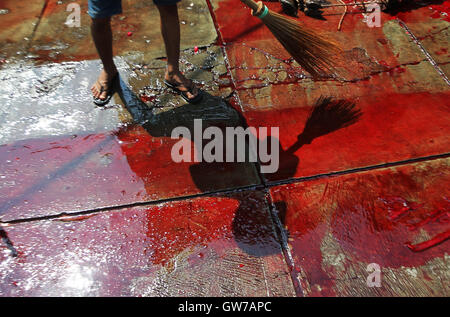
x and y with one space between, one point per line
172 228
146 98
429 243
306 226
369 216
376 132
376 231
383 63
55 169
74 218
442 51
441 11
435 216
398 207
142 163
436 15
52 7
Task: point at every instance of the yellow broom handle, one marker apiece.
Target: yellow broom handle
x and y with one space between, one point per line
251 4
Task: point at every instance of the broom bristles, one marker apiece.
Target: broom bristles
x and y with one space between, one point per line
314 53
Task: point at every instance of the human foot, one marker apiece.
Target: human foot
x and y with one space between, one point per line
102 88
184 86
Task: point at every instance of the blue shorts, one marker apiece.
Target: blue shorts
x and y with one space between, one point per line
106 8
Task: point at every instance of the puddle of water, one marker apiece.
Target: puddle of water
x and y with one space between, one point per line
53 99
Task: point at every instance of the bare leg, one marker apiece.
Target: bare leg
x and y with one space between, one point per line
102 35
170 30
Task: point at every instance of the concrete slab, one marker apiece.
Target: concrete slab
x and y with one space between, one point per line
395 217
212 246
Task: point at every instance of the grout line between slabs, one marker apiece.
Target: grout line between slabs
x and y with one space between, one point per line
424 51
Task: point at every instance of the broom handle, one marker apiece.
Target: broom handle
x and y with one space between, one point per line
251 4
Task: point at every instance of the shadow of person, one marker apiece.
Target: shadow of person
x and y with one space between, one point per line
213 112
252 227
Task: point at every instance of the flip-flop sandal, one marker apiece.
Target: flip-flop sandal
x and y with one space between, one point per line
110 92
183 94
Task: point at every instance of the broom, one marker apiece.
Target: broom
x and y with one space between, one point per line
314 53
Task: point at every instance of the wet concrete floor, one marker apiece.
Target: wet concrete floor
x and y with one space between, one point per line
92 203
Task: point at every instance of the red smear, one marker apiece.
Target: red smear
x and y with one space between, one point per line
429 243
435 15
142 170
134 242
196 49
213 222
74 218
398 207
442 51
441 11
306 226
383 63
129 33
433 217
146 98
367 228
372 233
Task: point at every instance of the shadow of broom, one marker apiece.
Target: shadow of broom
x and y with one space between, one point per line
326 116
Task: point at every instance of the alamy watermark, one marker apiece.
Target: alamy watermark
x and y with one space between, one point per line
74 18
235 145
374 278
372 16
